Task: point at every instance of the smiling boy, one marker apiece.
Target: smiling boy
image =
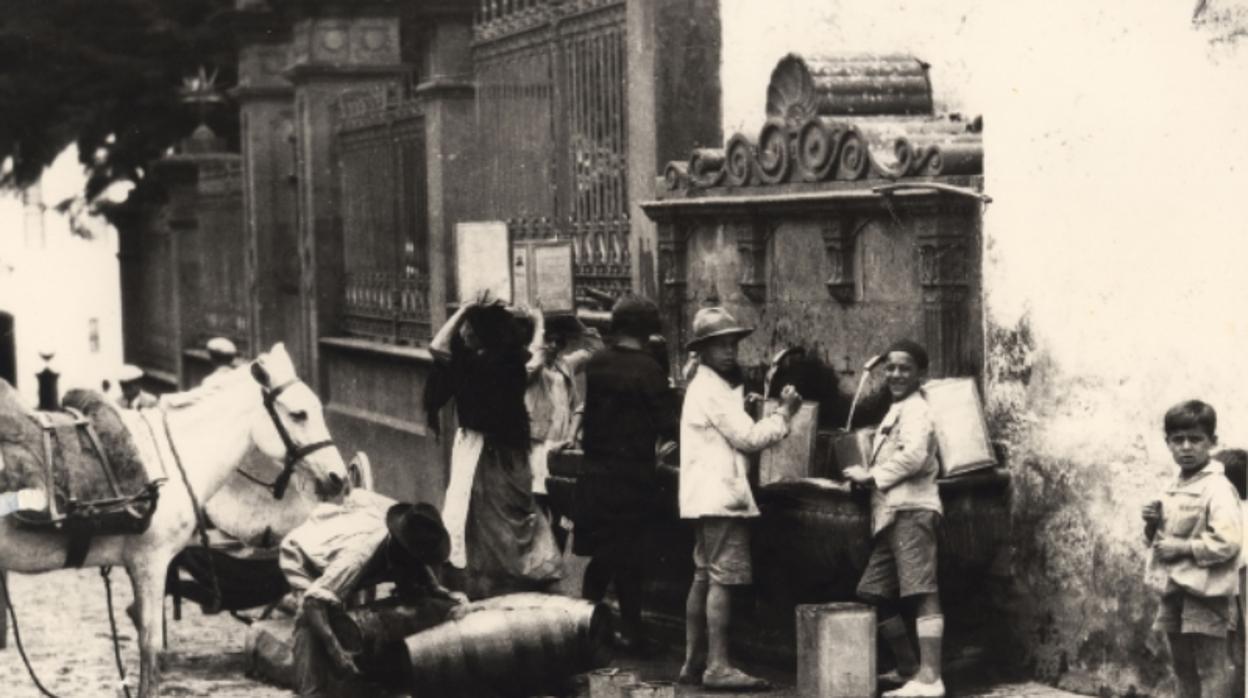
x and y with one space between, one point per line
905 520
1195 531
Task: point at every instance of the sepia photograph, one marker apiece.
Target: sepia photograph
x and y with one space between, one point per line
623 348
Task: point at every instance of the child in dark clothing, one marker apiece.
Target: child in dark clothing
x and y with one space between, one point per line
629 407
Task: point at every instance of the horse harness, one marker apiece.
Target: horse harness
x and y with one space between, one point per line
82 521
294 452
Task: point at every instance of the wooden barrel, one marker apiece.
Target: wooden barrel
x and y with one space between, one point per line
836 650
513 645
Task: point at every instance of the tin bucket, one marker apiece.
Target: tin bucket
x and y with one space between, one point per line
851 448
650 689
610 683
836 650
961 430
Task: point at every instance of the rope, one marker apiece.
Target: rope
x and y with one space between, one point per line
17 637
199 517
105 570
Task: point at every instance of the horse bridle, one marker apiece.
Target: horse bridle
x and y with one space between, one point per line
294 452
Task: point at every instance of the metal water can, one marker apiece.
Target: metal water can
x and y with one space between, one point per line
610 682
961 430
852 448
650 689
836 650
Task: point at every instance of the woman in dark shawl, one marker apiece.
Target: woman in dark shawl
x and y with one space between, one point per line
499 536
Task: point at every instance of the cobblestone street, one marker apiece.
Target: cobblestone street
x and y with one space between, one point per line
64 626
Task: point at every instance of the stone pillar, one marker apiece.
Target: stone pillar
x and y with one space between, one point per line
334 50
267 140
446 93
674 106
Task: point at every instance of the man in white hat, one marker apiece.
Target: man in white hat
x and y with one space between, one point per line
221 353
133 396
715 434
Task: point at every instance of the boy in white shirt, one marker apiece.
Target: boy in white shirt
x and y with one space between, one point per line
715 434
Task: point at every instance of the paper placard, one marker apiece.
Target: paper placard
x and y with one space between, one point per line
541 273
483 260
552 272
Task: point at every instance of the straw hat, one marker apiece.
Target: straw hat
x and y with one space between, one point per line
222 346
715 322
129 373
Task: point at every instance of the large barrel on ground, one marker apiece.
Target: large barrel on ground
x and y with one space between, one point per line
863 85
513 645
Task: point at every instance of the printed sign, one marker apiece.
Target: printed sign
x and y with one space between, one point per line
542 273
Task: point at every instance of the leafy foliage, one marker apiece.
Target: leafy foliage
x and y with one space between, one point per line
106 74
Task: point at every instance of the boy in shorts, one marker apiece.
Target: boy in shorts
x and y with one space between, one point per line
905 521
1196 532
715 434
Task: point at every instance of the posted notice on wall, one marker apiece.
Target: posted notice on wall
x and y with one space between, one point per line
483 260
541 272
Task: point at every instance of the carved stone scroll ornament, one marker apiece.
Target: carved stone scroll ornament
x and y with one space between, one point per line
774 162
707 167
740 164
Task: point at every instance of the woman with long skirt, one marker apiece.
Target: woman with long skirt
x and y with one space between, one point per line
499 537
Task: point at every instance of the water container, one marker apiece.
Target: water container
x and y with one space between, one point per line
650 689
836 650
852 448
610 683
961 430
522 645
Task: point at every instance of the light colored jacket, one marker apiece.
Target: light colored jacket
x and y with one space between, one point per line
715 434
904 462
1205 511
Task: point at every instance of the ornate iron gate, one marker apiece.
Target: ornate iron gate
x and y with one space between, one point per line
552 81
380 146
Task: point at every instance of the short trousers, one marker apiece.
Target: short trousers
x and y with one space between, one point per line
903 558
721 552
1181 612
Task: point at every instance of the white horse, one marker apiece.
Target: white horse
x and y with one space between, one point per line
196 438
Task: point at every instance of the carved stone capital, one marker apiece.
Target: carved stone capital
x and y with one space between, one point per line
944 260
840 234
752 237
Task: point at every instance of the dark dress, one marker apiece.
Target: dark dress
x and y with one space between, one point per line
508 540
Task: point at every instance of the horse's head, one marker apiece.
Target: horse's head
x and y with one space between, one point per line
294 432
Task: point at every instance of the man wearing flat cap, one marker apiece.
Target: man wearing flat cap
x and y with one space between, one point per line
221 353
133 396
345 547
716 433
